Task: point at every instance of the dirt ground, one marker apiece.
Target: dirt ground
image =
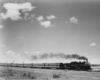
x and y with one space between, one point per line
12 73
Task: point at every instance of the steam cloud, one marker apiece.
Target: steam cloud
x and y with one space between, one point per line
59 55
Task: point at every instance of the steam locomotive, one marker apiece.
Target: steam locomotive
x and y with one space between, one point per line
76 66
85 66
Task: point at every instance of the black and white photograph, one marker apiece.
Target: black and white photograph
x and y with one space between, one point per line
49 39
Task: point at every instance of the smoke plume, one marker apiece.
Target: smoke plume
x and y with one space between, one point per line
58 55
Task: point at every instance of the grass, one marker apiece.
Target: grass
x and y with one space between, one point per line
13 73
55 75
28 76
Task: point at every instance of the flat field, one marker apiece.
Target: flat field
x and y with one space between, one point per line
13 73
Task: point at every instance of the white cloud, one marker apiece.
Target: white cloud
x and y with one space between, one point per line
33 15
13 10
46 24
73 20
26 16
1 26
92 44
51 17
40 18
12 14
12 54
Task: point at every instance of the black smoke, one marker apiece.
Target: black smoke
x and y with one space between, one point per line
58 55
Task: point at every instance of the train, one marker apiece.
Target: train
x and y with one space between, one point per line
85 66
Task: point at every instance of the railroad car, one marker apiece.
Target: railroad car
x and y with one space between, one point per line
69 66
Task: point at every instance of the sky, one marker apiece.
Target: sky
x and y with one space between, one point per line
31 27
